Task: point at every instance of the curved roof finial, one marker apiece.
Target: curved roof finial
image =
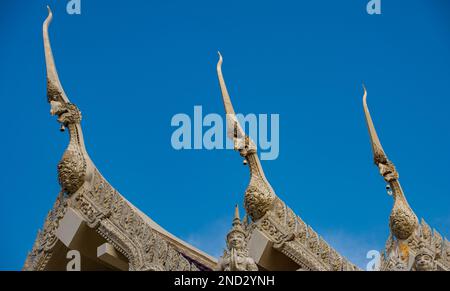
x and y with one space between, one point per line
55 90
402 220
259 196
75 167
234 129
378 152
225 96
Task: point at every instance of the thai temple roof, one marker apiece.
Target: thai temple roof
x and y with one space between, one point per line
89 215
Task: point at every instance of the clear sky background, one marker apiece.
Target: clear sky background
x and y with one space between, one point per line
131 65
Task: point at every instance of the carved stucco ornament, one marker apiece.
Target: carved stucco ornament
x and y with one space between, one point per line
268 212
259 195
424 259
103 209
75 164
411 246
402 220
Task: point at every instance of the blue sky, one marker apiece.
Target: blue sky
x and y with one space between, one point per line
131 66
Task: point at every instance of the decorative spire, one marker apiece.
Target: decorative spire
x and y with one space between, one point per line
243 143
402 220
237 225
377 148
226 97
237 219
259 196
75 165
55 90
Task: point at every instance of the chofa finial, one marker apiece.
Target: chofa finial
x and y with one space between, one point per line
378 152
402 220
259 196
75 164
60 105
55 91
242 142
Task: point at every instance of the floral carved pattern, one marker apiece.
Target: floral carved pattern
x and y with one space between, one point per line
46 239
259 195
126 229
71 170
298 241
104 209
424 249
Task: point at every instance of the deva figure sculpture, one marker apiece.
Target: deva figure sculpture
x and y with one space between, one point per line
236 257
